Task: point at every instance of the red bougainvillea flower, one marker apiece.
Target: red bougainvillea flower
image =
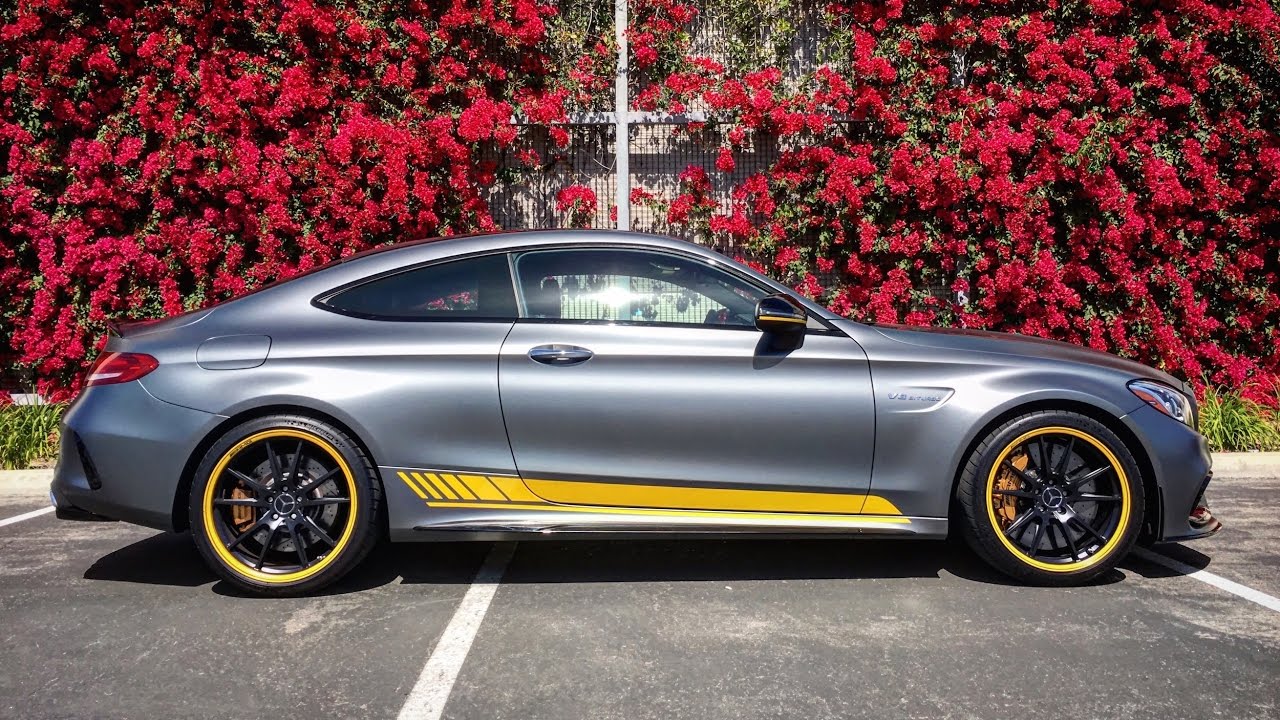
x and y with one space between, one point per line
724 161
1109 178
579 202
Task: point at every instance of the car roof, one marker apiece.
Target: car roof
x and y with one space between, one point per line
510 239
384 258
392 257
301 290
388 258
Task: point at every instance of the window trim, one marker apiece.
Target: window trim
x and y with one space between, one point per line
827 328
321 301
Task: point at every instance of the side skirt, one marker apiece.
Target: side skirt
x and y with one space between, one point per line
593 523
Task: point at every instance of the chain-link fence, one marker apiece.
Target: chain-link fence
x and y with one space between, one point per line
743 37
526 198
748 36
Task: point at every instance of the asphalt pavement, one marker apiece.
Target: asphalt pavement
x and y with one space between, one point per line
111 620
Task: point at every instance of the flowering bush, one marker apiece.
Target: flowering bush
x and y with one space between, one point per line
1099 172
160 156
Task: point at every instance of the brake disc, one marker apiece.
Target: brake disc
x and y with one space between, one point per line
322 515
1006 506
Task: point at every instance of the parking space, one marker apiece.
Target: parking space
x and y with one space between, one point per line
1248 544
13 505
109 620
834 629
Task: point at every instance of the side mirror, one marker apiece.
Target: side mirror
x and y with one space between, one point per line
779 314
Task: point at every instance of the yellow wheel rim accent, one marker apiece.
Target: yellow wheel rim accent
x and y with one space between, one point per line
219 545
1122 483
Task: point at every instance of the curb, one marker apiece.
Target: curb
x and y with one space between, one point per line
1246 464
1240 464
26 482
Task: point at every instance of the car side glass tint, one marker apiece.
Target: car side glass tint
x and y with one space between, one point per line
624 285
477 288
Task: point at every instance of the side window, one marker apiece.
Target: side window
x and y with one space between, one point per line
617 285
476 288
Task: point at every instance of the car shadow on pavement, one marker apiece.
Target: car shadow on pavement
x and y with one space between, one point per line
746 560
1176 551
171 559
163 559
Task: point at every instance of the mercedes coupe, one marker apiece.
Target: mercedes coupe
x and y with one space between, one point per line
571 383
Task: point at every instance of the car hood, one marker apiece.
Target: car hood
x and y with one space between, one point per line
1021 346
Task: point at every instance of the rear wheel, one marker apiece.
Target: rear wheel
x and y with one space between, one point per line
284 505
1051 498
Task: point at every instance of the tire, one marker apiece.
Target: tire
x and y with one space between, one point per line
271 528
1064 525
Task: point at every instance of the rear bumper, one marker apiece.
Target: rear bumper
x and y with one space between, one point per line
1183 468
122 455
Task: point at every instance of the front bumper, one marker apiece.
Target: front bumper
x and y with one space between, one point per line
1183 468
122 455
1197 533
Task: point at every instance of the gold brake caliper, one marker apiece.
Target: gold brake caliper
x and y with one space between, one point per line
1006 506
241 515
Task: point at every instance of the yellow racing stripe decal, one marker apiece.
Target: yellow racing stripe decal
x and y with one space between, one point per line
412 487
426 486
442 486
514 489
709 514
443 489
695 498
879 506
457 486
480 486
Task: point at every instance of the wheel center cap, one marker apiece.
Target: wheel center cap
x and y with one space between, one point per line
1052 497
284 504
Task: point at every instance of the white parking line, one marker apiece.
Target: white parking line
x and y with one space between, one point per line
1256 596
26 516
427 699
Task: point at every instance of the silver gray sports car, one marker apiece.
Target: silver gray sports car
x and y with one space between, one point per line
572 382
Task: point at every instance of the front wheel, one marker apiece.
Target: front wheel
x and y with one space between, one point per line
284 505
1051 498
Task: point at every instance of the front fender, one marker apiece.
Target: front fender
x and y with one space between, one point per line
920 446
1182 465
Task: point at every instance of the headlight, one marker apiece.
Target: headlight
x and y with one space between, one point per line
1165 399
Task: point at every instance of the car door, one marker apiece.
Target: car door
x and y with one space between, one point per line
637 378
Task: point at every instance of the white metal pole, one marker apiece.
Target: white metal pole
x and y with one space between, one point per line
621 138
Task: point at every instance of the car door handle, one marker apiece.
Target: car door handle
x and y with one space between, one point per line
559 354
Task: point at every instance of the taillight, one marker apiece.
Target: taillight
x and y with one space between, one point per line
119 367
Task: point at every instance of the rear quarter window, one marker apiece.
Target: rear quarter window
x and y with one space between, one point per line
477 288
